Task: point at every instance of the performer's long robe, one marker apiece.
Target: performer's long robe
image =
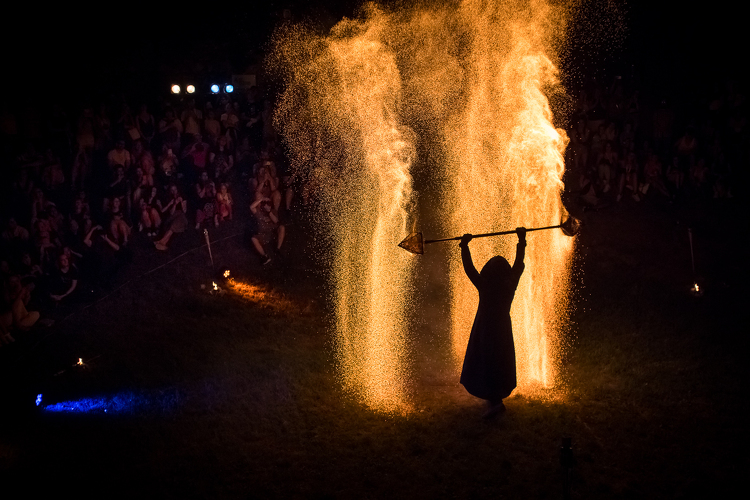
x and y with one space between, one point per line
489 370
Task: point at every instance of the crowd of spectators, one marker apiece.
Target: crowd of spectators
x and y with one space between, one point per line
622 148
79 189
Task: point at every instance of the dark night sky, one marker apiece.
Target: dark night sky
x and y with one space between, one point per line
71 51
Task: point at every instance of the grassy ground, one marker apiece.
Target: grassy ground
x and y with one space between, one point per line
236 396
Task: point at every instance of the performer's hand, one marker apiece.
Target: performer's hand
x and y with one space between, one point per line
521 232
465 239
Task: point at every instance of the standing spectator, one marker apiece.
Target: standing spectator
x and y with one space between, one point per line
102 128
85 133
269 227
191 120
146 125
212 127
170 129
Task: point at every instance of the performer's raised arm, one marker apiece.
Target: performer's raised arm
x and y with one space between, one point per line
518 264
469 268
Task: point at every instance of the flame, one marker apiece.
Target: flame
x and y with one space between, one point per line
506 161
216 287
471 78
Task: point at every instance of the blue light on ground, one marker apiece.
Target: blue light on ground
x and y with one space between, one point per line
122 403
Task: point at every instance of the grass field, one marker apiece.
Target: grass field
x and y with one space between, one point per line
236 396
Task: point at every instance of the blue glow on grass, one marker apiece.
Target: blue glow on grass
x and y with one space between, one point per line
118 404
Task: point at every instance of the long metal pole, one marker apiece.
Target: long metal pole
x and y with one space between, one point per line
456 238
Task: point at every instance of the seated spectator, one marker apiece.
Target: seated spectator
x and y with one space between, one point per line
628 176
266 186
44 238
5 337
699 177
652 173
168 164
127 126
56 220
28 270
15 233
52 173
119 156
118 228
206 191
19 318
141 187
197 153
224 203
63 280
268 226
150 218
39 204
143 159
176 221
80 170
675 175
118 188
221 160
229 121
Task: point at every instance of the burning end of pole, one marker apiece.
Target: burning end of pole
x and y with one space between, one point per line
413 243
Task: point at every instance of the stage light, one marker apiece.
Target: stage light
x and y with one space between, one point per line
38 399
228 88
214 89
176 89
226 273
190 89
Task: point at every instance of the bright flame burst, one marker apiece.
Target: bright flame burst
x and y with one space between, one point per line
473 80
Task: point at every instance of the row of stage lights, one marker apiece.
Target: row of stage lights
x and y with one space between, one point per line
215 89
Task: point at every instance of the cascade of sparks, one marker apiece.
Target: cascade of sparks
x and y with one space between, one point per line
472 78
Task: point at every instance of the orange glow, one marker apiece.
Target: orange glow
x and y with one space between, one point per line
226 273
264 296
473 78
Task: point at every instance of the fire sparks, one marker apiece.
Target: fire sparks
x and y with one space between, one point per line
473 80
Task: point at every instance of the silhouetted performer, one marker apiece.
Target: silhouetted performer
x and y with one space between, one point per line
489 370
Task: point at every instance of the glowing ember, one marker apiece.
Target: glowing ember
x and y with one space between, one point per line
473 80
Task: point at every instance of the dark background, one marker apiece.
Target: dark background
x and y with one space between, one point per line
70 52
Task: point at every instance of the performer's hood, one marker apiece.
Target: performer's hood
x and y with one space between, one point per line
497 268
